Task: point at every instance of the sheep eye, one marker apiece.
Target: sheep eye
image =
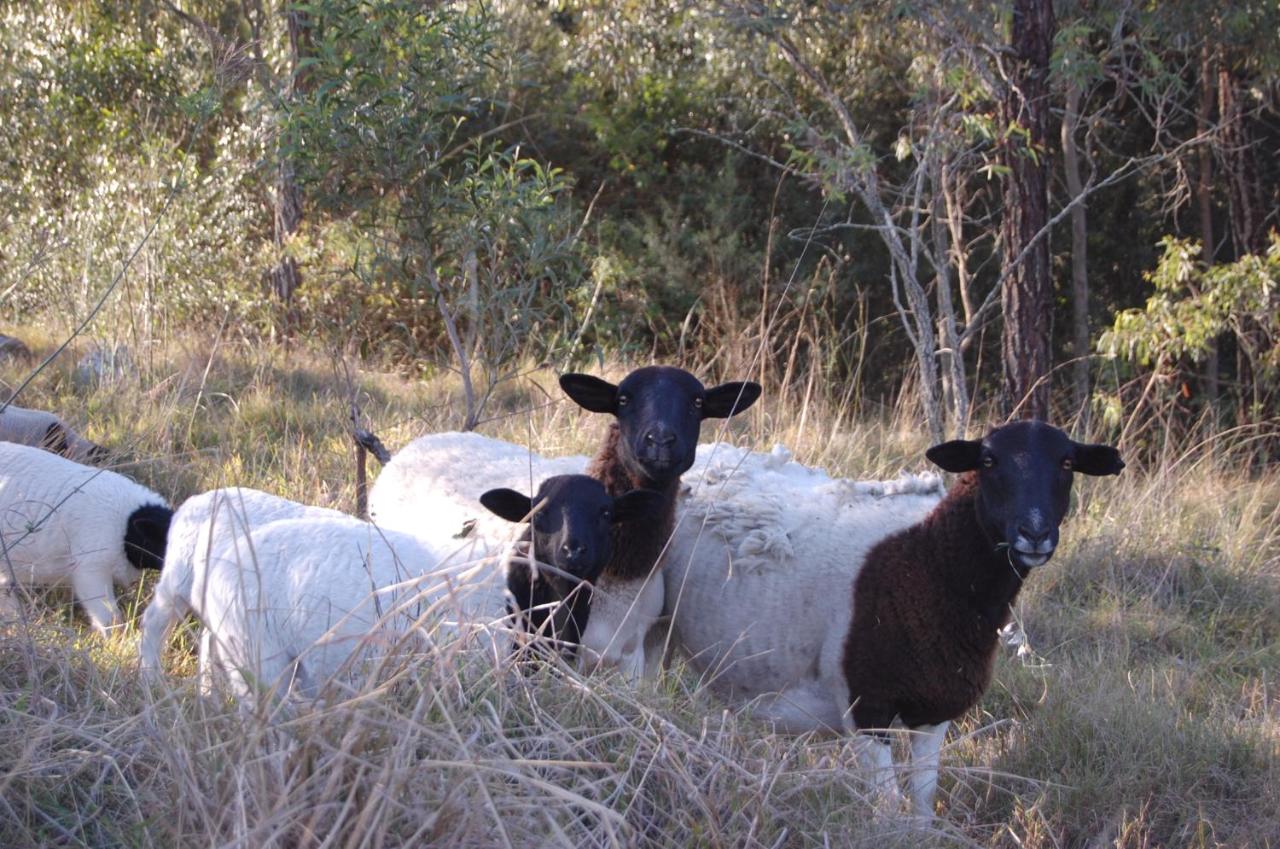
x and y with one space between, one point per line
606 514
697 403
623 400
1067 465
988 462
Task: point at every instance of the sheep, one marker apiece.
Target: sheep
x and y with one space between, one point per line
308 594
216 520
61 522
832 610
39 429
430 487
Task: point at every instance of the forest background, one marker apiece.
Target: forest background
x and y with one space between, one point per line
992 204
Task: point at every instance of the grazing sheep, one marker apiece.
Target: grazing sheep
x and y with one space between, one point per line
61 522
39 429
219 520
430 487
305 596
849 608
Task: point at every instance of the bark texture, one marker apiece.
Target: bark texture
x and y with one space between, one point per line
1027 290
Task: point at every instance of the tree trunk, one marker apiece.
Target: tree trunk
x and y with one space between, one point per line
286 277
1027 289
1240 166
956 388
1079 257
1247 216
1204 197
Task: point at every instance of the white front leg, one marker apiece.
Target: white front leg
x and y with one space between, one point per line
926 748
622 612
99 602
875 755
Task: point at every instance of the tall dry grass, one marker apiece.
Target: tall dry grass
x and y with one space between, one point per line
1143 710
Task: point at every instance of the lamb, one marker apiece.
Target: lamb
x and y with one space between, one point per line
872 612
314 594
39 429
61 522
431 485
219 520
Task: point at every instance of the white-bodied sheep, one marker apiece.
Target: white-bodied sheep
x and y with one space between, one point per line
64 523
657 410
851 605
219 520
295 604
39 429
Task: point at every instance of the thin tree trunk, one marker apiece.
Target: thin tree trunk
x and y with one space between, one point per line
1240 170
956 389
1079 256
1204 199
1027 290
286 277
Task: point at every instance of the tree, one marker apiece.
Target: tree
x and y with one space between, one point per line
1027 291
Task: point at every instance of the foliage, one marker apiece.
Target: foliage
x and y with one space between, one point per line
396 133
1194 305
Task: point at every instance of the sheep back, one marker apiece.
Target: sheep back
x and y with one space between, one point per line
761 568
58 517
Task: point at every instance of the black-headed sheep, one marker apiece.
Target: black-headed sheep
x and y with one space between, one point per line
881 610
64 523
431 485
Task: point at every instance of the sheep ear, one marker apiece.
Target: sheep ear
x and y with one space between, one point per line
55 440
590 393
637 504
728 399
958 455
1097 460
507 504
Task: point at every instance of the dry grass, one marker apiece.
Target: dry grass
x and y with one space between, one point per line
1147 714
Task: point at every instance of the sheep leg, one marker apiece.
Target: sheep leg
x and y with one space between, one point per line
926 748
875 753
206 663
96 598
10 606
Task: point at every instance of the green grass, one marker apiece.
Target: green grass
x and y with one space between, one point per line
1147 713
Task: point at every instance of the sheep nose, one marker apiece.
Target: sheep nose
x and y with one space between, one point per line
1037 538
661 438
572 551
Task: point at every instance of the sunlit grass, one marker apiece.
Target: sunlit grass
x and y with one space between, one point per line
1146 713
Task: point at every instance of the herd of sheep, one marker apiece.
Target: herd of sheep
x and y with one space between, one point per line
814 603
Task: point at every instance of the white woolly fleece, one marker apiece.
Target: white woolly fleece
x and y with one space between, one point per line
315 597
219 520
759 576
61 522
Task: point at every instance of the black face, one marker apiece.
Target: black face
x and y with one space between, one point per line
572 520
1025 471
569 530
659 411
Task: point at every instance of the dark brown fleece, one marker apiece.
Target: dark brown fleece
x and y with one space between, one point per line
636 545
927 606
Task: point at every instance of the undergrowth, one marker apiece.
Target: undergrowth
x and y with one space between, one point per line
1142 711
